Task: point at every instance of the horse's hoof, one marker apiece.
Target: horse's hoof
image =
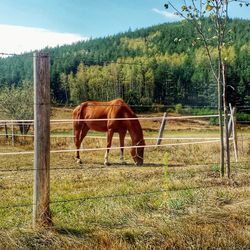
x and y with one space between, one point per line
123 162
107 164
78 161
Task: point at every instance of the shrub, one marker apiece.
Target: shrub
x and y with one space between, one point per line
178 108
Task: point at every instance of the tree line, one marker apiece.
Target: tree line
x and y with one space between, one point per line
164 64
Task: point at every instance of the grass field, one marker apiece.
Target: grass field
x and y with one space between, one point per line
177 200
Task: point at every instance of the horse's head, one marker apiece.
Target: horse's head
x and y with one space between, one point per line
137 152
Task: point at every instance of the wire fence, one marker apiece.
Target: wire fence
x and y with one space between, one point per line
116 167
70 121
117 195
83 199
112 196
113 148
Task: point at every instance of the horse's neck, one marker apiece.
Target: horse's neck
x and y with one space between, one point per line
135 131
133 126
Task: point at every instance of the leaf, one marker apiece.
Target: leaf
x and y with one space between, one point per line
184 8
209 7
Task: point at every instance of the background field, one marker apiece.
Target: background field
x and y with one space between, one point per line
176 200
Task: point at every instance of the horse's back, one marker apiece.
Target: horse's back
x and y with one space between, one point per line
92 110
98 109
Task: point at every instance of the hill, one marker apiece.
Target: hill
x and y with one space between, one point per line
161 64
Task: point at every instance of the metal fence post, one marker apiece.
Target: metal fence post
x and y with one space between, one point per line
163 122
232 129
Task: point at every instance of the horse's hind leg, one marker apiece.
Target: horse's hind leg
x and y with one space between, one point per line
80 133
122 135
109 142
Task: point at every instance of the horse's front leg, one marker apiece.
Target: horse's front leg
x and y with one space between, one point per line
109 142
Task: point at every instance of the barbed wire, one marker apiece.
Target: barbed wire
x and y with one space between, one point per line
85 61
113 196
10 54
126 166
155 106
152 106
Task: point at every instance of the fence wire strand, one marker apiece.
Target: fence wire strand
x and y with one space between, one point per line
113 196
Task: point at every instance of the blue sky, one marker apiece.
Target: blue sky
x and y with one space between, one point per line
66 21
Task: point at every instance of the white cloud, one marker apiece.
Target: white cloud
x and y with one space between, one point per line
165 13
19 39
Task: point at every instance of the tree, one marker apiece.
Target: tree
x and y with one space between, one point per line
215 35
65 85
17 103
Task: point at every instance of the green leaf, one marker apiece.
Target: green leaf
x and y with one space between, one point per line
184 8
209 7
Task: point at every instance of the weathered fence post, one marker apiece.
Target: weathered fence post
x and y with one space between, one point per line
6 131
232 129
163 122
12 134
41 200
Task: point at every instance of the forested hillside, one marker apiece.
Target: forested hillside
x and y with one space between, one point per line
163 64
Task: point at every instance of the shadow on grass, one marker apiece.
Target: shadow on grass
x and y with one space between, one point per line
97 165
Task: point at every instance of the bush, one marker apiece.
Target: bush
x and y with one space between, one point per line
243 117
178 108
17 103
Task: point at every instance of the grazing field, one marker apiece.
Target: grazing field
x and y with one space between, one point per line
176 200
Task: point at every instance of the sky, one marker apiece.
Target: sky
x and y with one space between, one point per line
27 25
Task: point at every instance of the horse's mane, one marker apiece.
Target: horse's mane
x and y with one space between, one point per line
124 106
134 124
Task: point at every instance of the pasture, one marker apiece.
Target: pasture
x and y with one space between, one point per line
176 200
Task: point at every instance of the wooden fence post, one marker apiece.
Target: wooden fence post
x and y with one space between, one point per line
41 193
12 134
232 129
163 122
6 131
230 122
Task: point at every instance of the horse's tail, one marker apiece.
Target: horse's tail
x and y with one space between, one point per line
78 114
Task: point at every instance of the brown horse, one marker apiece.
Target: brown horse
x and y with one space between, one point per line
109 110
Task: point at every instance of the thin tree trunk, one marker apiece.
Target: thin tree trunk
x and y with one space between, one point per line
220 109
226 141
221 129
220 91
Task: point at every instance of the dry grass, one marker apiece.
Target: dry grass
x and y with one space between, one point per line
200 210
